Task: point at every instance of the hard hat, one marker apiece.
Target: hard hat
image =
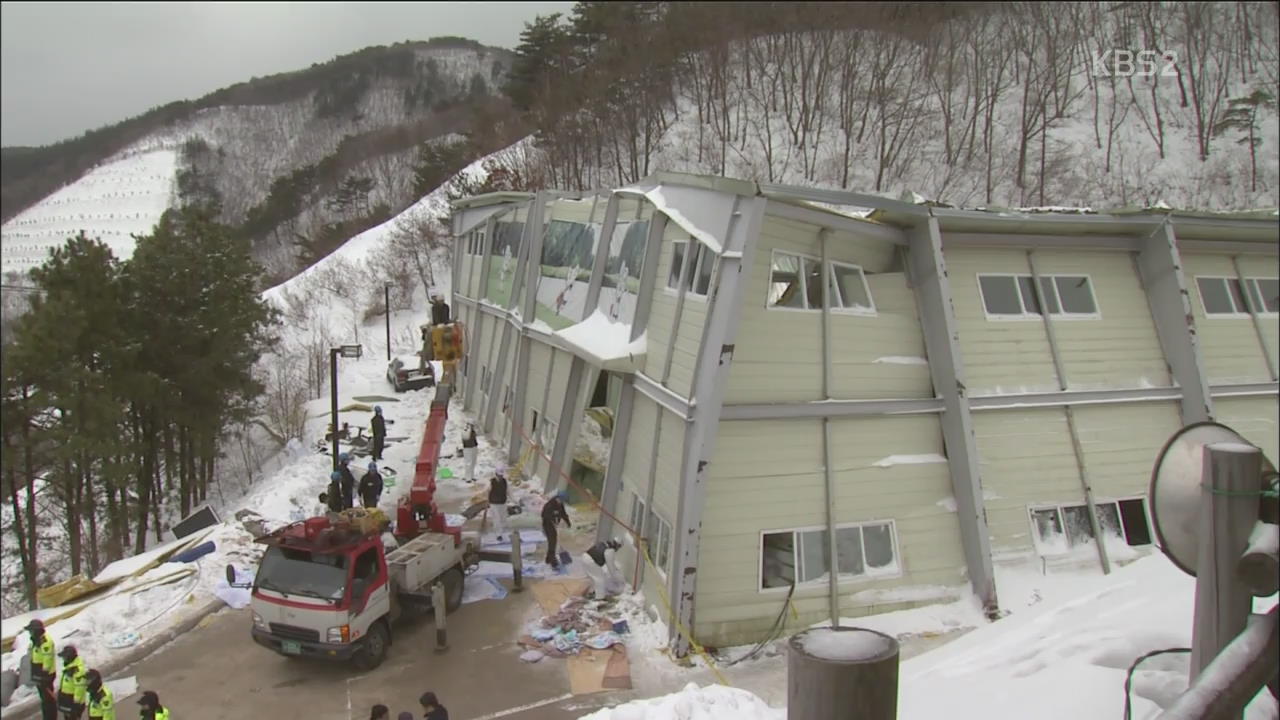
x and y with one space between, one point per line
377 409
149 699
335 475
68 652
36 624
563 495
373 466
344 457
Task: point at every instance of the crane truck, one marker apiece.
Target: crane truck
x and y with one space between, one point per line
332 587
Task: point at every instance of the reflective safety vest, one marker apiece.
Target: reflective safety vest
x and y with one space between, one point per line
73 681
42 662
159 714
104 707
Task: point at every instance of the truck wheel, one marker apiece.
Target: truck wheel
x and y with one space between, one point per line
452 579
374 649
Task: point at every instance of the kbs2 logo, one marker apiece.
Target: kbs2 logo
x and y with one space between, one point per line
1127 63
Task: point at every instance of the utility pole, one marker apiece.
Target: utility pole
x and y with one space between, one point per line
348 351
386 295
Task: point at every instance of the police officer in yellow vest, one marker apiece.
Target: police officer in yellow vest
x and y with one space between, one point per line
43 669
151 707
102 704
71 687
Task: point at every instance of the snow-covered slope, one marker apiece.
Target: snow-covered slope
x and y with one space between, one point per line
122 197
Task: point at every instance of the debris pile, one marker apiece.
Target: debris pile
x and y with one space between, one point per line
580 622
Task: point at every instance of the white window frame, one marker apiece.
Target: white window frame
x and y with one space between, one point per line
829 273
863 578
484 380
661 545
1249 288
548 429
1025 315
1059 507
835 289
535 417
703 252
637 508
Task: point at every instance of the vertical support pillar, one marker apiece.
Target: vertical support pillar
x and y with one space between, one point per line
333 401
1228 510
529 288
828 473
603 245
928 272
648 276
572 409
438 605
1160 267
1082 467
517 562
617 457
711 377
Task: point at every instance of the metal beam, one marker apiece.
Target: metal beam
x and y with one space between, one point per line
1082 465
927 270
531 227
525 298
571 411
1160 270
648 274
839 197
603 244
1245 389
1026 240
831 408
617 457
828 474
1072 397
663 396
829 219
710 380
1235 247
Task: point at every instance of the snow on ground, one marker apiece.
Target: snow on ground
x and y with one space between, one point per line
124 195
1061 652
694 703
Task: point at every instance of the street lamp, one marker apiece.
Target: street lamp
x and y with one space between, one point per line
346 351
386 294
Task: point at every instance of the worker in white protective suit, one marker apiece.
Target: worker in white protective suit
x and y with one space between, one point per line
599 563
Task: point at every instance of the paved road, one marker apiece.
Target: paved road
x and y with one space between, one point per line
217 672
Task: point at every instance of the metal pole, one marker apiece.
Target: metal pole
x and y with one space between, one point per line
1076 447
828 473
386 297
333 400
517 563
438 605
1228 511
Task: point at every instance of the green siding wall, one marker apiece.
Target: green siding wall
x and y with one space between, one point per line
767 475
1255 419
1229 345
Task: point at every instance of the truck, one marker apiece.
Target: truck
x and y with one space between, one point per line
333 587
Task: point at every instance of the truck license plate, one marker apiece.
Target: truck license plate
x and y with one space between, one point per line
290 647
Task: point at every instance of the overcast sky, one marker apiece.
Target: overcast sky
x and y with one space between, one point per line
70 67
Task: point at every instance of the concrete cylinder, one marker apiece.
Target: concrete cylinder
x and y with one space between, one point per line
842 673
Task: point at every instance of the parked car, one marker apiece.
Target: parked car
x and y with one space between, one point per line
403 373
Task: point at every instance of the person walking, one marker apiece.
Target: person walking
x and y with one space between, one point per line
598 562
348 481
470 451
498 504
378 428
432 709
43 669
102 702
371 487
553 512
151 707
71 686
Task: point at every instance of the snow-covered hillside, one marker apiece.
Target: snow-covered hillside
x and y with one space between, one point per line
114 201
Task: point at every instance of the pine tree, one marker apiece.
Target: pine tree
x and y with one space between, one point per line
1242 116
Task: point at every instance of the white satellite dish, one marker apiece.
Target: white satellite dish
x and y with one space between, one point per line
1176 492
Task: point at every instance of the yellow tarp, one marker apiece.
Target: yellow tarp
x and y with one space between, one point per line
66 591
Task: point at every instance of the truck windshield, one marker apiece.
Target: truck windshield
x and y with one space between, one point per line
300 572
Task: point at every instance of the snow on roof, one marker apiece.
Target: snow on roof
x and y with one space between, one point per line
663 204
605 343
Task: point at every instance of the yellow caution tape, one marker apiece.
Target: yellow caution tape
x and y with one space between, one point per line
662 593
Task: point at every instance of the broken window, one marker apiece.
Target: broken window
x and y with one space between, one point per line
1059 529
658 540
785 286
803 556
677 264
637 514
849 289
